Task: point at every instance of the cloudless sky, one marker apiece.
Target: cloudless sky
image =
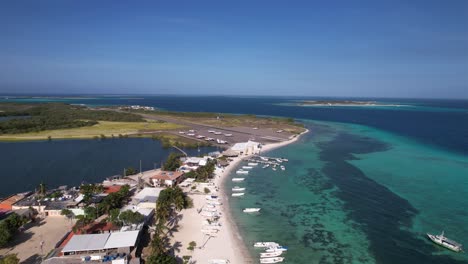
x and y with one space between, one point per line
314 48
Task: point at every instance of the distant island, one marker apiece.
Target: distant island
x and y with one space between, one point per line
340 103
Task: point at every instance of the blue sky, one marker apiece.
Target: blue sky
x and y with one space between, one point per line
313 48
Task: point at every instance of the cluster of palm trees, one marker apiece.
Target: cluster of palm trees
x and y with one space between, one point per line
170 202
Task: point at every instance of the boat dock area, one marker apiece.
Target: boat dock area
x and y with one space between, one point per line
266 160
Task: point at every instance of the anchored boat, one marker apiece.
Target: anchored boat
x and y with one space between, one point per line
251 210
238 179
238 189
441 240
271 254
271 260
265 244
237 194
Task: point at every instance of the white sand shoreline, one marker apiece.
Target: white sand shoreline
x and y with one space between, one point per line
228 243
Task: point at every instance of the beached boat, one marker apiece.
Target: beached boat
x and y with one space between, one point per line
237 179
219 261
210 209
283 168
441 240
228 135
237 194
266 166
210 205
252 163
277 248
265 244
214 202
271 254
238 189
251 210
210 214
207 227
247 167
209 231
271 260
242 172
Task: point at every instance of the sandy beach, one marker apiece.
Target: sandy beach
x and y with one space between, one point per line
227 243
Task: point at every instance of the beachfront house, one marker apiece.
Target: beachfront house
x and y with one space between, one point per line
193 163
246 148
146 198
167 178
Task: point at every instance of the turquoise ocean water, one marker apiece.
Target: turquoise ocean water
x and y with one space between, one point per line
354 194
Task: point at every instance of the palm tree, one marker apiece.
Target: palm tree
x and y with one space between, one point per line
42 189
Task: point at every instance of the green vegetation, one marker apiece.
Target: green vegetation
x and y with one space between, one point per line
173 162
9 227
51 116
203 173
130 171
169 140
129 217
192 245
206 190
170 201
89 190
114 200
9 259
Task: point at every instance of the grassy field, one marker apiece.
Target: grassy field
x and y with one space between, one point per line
105 128
229 120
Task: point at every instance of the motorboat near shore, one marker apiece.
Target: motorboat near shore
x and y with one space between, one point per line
238 179
271 254
265 244
238 189
242 172
247 167
252 163
237 194
251 210
271 260
441 240
277 248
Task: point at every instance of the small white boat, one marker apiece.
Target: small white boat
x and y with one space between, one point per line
217 133
238 189
214 202
219 261
279 160
237 194
211 131
210 209
251 210
210 205
271 254
283 168
266 166
252 163
210 227
211 223
228 135
247 167
263 158
209 231
274 168
238 179
210 214
277 248
242 172
271 260
265 244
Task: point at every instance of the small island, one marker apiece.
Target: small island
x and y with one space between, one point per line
339 103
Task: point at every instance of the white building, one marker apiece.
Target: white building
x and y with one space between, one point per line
246 148
146 198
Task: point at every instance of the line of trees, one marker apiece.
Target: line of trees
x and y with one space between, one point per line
50 116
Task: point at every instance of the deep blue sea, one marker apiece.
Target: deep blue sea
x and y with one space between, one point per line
364 186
